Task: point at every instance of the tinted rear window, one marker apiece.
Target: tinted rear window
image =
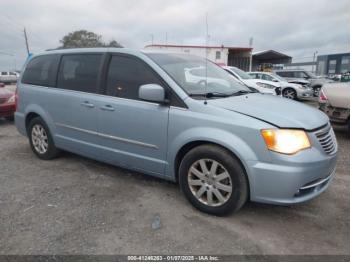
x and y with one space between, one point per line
79 72
41 71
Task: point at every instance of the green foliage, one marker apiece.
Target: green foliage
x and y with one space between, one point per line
83 38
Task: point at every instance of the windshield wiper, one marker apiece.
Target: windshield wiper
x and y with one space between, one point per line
211 94
242 92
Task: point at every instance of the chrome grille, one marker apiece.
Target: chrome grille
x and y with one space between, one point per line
327 140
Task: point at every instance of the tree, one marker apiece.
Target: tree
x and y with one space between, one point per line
83 38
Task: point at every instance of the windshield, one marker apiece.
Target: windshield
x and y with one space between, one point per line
279 78
240 73
310 74
195 75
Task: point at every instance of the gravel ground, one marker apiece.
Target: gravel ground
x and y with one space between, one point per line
74 205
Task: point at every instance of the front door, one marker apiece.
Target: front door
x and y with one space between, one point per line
133 132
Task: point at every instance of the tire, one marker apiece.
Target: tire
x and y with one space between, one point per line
316 91
38 126
235 179
289 93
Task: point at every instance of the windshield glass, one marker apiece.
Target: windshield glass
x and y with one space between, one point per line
195 75
279 78
241 73
310 74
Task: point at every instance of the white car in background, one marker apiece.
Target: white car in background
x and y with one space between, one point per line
262 86
289 90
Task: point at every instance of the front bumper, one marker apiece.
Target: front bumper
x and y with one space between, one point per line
7 110
305 93
291 179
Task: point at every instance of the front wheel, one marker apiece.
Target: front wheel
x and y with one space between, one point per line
40 139
213 180
289 93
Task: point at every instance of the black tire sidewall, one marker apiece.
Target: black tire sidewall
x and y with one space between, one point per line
240 184
52 151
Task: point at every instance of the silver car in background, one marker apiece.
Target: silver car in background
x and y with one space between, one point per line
289 90
223 143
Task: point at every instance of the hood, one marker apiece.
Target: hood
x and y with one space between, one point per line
276 84
338 94
287 84
278 111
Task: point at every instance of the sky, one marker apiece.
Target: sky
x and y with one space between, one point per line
298 28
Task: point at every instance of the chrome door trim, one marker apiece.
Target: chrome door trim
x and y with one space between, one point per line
128 141
77 129
125 140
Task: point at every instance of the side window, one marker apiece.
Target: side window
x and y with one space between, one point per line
267 77
41 71
79 72
286 74
126 75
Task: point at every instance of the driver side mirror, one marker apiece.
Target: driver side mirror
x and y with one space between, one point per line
152 93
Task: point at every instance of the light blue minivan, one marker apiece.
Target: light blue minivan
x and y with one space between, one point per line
222 142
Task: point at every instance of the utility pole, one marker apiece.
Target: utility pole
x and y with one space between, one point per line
26 39
313 60
251 54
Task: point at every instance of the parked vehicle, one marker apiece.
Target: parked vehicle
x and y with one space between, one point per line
289 90
334 100
7 103
8 77
299 76
263 86
223 143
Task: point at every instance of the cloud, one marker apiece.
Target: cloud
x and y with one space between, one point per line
297 27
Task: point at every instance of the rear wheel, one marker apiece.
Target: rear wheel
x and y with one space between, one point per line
289 93
40 139
213 180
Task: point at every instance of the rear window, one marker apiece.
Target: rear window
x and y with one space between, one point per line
79 72
41 71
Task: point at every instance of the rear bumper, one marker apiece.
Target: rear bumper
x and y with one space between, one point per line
7 110
20 123
284 184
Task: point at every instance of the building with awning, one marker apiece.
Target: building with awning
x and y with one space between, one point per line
221 55
269 59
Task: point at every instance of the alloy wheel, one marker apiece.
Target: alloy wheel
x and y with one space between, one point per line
40 139
289 93
210 182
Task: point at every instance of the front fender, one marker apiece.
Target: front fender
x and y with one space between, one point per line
220 137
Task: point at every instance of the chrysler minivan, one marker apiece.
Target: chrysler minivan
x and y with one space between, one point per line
223 143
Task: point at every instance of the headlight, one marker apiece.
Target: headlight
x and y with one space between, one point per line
11 99
286 141
265 85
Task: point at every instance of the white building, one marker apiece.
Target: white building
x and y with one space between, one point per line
221 55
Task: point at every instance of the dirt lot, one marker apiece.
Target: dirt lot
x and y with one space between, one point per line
73 205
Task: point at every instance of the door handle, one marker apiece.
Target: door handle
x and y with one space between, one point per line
87 104
107 108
